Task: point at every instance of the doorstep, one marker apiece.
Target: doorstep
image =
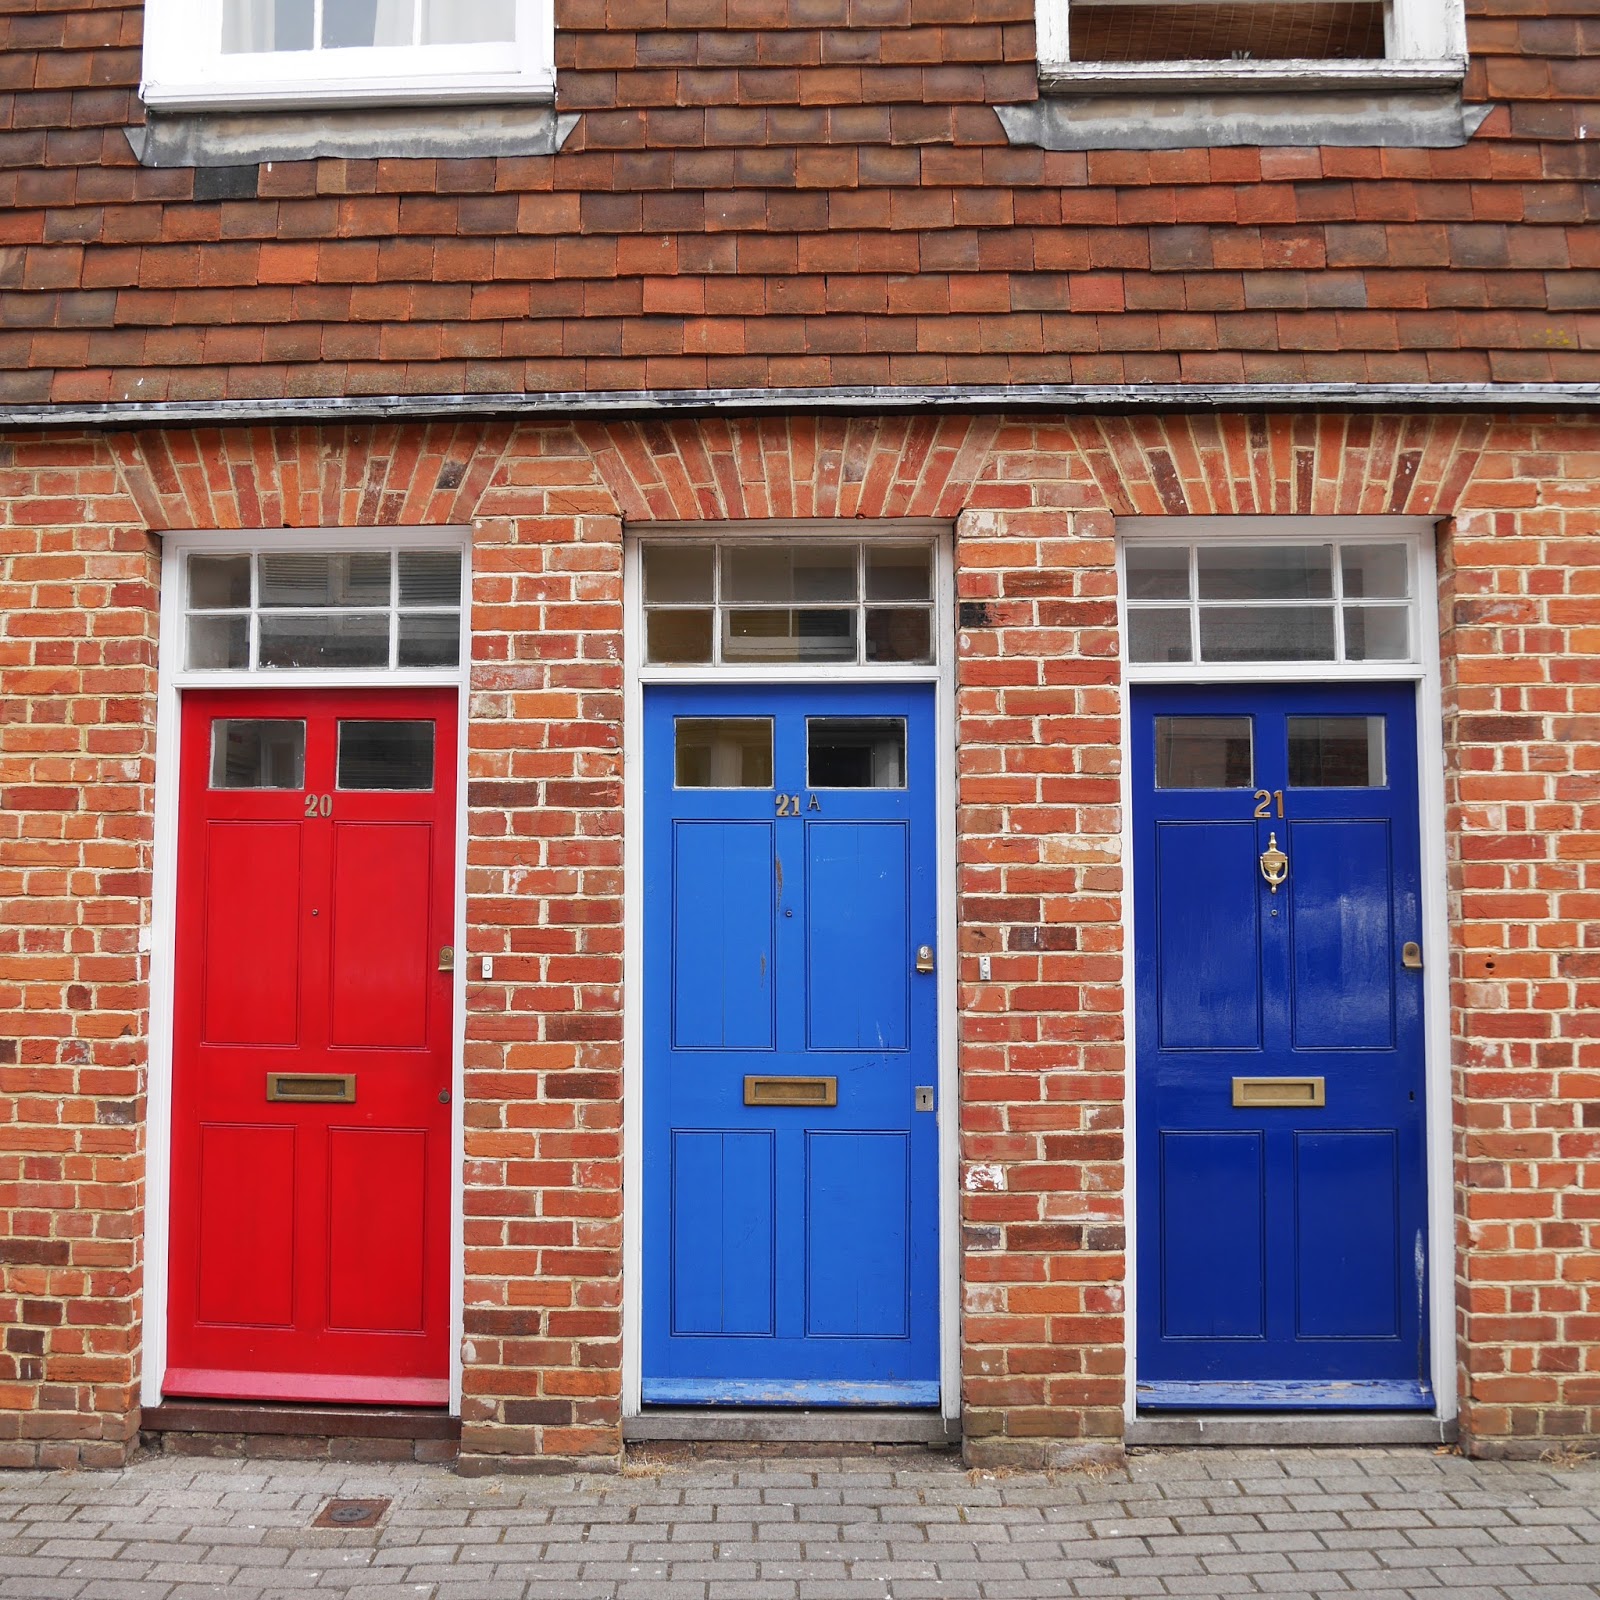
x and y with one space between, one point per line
1289 1429
301 1432
824 1426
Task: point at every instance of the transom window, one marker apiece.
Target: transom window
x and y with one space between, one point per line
1263 602
283 610
307 52
777 602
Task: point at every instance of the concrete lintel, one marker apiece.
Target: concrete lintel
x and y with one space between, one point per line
1302 1428
1434 119
726 1425
248 138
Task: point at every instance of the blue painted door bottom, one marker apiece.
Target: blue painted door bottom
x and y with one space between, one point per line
1283 1246
790 1249
1376 1395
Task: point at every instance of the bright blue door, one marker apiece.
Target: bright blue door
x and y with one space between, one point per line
790 1194
1282 1199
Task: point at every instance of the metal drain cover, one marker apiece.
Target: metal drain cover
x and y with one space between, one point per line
351 1514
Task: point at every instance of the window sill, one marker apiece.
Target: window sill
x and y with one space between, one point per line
1114 77
299 93
1162 105
248 137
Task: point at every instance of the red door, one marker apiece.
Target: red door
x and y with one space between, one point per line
311 1061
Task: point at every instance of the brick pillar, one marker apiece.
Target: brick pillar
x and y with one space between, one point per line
1041 1051
1523 774
543 1320
78 582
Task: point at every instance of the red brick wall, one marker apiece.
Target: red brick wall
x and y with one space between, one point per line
1521 600
1039 875
776 194
77 740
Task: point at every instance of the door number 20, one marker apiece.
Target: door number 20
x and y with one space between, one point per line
1264 802
321 805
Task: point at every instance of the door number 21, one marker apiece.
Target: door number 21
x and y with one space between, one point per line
1264 802
789 805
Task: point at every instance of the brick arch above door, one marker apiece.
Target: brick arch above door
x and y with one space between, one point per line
383 475
1278 463
730 468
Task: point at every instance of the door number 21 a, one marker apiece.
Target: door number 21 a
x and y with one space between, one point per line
321 805
1265 800
789 805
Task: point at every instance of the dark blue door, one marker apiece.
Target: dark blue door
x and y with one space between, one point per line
790 1194
1278 928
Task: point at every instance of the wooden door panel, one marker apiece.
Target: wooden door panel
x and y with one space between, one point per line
1343 934
377 1251
858 1236
246 1267
382 923
722 886
251 951
857 934
723 1249
1208 936
1349 1272
1212 1243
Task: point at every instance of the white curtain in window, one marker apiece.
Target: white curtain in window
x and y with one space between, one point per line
251 27
468 21
392 23
352 24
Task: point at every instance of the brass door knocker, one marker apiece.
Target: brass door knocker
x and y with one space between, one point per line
1274 863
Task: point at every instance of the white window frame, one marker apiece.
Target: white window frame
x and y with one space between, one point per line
185 67
158 941
1423 670
941 674
809 530
1192 534
329 542
1426 43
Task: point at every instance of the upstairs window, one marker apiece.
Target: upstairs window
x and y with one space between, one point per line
328 52
1250 38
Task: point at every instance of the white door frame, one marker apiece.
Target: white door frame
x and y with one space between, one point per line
159 939
1418 533
637 676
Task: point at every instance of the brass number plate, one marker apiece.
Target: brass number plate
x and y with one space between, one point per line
791 1091
1279 1092
321 1088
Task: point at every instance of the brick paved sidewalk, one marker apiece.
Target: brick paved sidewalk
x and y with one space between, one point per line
1387 1523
